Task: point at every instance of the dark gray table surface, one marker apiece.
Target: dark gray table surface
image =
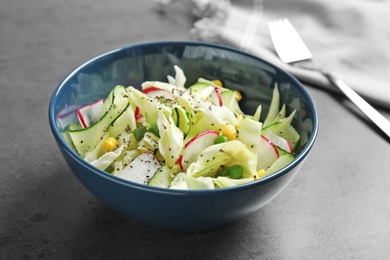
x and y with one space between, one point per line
337 207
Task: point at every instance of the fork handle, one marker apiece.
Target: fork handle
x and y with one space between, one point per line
362 104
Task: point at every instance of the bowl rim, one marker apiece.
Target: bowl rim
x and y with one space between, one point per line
278 174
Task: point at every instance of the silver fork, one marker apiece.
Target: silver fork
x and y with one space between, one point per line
290 48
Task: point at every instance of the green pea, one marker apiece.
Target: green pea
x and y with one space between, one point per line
236 171
221 139
224 171
154 130
139 132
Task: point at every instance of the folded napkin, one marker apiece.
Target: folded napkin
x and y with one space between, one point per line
350 38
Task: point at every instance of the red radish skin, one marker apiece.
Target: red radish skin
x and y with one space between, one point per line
279 141
199 136
68 115
218 91
81 118
206 139
153 91
267 154
275 149
67 111
289 147
86 111
178 161
150 89
137 114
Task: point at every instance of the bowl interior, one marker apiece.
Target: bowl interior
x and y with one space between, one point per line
130 66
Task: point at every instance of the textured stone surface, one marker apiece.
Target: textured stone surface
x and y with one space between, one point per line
337 207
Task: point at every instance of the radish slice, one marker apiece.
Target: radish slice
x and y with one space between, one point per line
67 115
141 169
267 154
91 113
155 92
218 92
195 146
138 116
208 93
279 141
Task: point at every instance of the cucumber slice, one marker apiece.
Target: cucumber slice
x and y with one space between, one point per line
281 114
279 141
274 107
281 162
284 129
119 129
124 123
198 87
162 178
229 100
181 119
86 139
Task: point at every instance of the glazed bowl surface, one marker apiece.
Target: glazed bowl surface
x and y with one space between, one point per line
183 209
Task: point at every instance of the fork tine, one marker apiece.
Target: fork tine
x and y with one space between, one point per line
288 44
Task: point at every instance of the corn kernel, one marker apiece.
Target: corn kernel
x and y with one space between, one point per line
229 131
217 82
260 173
237 95
110 144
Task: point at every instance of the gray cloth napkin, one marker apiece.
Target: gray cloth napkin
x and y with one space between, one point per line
349 38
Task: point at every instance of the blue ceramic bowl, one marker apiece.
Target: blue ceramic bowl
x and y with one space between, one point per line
178 209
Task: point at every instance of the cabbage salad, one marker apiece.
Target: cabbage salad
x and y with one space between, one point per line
169 136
